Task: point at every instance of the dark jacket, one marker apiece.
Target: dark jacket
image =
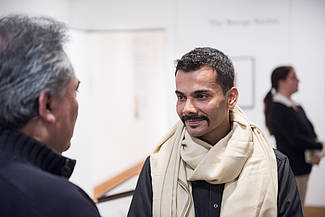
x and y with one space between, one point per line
34 181
208 197
294 134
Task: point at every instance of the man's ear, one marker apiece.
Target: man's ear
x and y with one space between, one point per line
44 107
232 97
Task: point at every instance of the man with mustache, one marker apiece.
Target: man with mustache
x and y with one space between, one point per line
214 162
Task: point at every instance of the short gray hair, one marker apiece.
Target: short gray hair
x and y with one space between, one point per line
32 60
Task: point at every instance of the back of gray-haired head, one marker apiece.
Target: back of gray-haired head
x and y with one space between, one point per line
206 56
32 60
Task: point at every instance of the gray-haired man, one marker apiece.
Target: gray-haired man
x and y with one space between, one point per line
38 111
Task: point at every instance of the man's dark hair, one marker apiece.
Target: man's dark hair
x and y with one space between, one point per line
210 57
32 60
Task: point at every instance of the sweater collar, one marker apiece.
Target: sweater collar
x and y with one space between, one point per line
24 148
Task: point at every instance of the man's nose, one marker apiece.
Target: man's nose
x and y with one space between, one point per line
189 107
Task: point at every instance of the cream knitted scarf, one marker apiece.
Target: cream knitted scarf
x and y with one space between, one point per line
243 160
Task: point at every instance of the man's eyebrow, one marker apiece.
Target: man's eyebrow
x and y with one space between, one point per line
179 92
201 91
78 85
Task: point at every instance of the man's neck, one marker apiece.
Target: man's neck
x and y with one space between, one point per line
218 133
36 129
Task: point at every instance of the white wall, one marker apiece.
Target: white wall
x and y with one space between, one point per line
60 9
272 31
122 95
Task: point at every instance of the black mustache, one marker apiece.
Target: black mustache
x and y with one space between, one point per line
194 118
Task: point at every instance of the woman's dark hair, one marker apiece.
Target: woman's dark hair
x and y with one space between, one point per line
279 73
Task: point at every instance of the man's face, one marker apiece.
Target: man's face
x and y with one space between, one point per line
65 110
201 104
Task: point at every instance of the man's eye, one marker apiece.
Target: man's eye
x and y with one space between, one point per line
180 98
201 96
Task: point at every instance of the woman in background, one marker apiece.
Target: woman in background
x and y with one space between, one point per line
288 123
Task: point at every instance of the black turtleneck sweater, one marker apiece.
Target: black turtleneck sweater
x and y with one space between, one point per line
34 181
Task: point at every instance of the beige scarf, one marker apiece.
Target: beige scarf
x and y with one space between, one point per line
243 160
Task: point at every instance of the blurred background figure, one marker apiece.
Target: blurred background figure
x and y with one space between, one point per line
288 123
